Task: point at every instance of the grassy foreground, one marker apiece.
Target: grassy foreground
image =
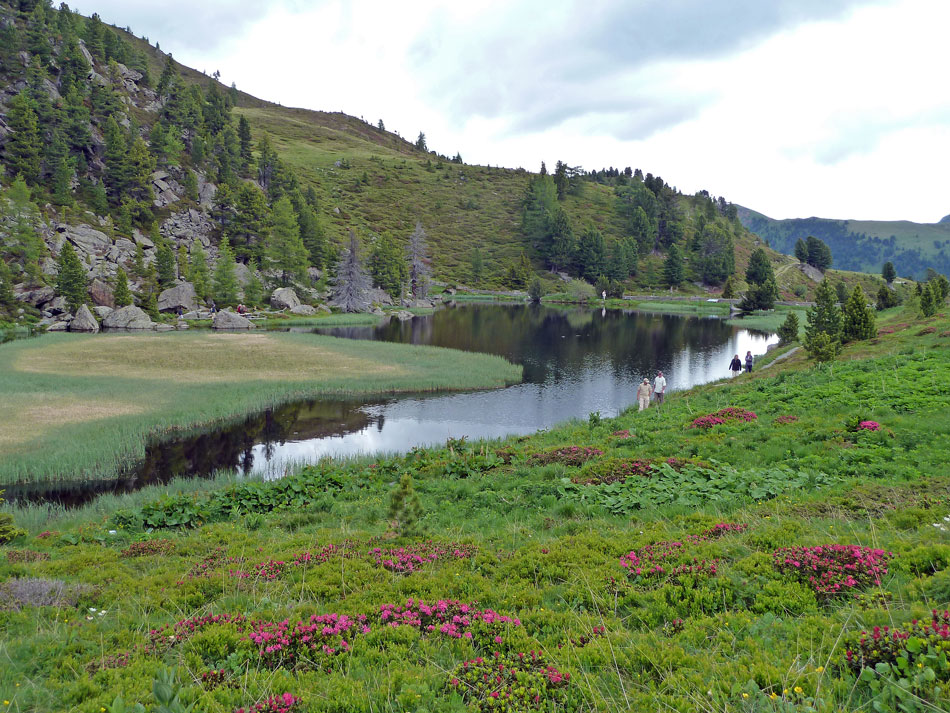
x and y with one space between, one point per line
84 406
635 564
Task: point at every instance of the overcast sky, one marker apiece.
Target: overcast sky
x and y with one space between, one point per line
834 108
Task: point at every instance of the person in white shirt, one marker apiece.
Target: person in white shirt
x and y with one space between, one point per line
643 394
659 388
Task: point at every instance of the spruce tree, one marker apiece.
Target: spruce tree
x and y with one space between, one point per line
244 136
117 171
801 250
350 284
121 293
729 288
857 318
70 277
7 299
62 193
225 285
190 184
886 298
788 331
928 305
824 317
286 251
418 263
673 267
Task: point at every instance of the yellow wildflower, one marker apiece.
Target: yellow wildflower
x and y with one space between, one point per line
819 669
798 689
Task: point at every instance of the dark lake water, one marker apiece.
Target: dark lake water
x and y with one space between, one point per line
576 361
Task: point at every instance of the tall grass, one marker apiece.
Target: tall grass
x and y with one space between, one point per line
99 449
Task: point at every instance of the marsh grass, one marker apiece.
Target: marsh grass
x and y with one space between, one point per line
85 407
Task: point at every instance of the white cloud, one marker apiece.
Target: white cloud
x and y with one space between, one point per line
794 108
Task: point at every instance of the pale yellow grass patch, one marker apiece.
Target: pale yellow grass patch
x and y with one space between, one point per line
197 358
23 422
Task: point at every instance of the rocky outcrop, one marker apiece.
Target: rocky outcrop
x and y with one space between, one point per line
188 226
303 311
38 297
403 315
284 298
180 296
56 306
101 293
380 297
229 320
166 189
102 312
86 239
812 273
84 321
130 317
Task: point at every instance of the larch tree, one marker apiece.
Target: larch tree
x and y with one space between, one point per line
857 317
286 251
351 284
673 267
225 284
70 277
121 294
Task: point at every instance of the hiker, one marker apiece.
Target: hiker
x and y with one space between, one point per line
748 362
735 366
643 394
659 388
214 307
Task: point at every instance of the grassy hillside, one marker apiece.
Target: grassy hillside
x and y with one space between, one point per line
862 245
642 555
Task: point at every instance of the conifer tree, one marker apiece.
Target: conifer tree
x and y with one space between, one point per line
62 194
801 250
350 284
673 267
24 146
312 234
164 263
928 305
286 251
198 272
117 170
418 263
405 510
139 269
888 272
759 269
788 331
729 288
477 265
387 266
823 318
253 290
225 285
181 262
7 298
190 184
244 136
886 298
121 294
857 318
70 277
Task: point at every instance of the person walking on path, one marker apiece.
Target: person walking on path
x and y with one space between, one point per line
748 362
735 366
659 388
643 394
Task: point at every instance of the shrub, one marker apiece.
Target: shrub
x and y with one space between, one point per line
833 569
451 618
23 556
566 455
409 559
405 511
785 418
149 547
37 592
617 470
664 562
286 703
322 636
518 682
8 530
722 416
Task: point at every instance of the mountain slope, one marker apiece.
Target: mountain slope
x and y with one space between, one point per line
863 245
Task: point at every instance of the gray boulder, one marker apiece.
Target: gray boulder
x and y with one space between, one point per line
38 297
229 320
86 238
57 327
403 315
84 321
130 317
812 273
102 311
303 310
284 298
180 296
380 297
101 293
56 306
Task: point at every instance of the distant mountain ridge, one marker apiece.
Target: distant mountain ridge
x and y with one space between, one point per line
862 245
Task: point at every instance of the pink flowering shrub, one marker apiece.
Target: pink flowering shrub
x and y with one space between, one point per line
662 562
623 435
887 645
270 569
205 567
168 636
584 639
451 618
785 418
512 682
281 645
869 426
833 569
286 703
722 416
23 556
567 455
617 470
718 530
413 557
149 547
